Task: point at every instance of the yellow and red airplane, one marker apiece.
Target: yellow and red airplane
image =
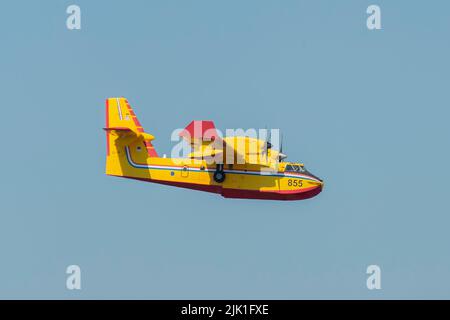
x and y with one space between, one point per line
260 174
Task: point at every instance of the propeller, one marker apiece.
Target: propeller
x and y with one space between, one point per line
266 146
281 155
281 144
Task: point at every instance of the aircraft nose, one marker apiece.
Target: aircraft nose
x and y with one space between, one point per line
318 183
315 177
321 183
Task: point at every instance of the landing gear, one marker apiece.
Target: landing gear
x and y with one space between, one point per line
219 175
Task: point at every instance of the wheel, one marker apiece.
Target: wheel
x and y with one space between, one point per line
219 176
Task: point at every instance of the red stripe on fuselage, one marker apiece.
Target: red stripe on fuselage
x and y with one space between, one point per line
240 193
271 195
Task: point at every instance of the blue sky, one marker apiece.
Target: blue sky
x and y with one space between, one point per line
367 111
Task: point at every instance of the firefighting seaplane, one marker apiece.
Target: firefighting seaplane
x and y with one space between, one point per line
215 164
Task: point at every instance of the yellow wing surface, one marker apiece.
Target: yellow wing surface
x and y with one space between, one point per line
206 143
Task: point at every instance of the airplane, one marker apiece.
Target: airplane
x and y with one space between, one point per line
130 154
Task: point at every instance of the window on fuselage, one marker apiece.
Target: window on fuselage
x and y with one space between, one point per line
294 168
288 168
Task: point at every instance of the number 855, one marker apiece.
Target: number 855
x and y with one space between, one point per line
294 183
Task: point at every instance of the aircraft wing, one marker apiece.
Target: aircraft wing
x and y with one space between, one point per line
206 143
203 139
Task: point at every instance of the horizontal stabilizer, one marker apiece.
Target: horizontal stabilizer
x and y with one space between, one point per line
117 129
125 131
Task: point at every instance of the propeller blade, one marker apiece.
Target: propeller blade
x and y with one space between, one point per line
281 144
281 155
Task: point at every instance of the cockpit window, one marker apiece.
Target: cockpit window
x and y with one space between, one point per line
288 168
294 168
